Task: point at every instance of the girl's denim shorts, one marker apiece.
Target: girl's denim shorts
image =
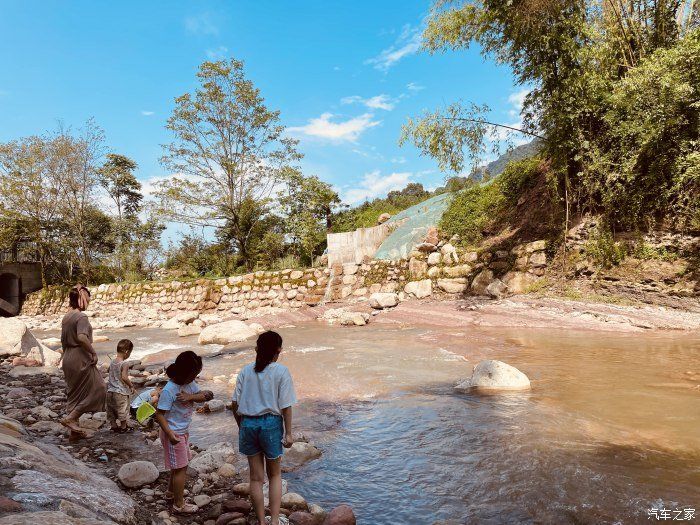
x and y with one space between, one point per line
261 434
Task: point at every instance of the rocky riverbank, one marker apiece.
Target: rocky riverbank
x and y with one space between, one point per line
118 479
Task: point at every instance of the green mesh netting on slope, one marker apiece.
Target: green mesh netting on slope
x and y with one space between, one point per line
414 223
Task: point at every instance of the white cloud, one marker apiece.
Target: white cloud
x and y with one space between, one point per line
517 100
220 53
147 113
374 184
398 160
408 43
413 86
336 68
384 102
201 24
343 131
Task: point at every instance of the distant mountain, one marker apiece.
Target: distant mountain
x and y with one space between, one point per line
497 166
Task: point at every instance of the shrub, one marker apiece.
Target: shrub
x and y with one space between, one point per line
481 206
602 249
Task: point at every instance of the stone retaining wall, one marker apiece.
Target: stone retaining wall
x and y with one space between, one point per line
446 269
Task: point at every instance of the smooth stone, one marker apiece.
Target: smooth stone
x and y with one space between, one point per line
495 375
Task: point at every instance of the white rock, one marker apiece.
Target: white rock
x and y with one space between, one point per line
519 282
216 405
434 258
17 339
137 473
383 300
226 470
299 454
187 330
497 289
353 318
226 332
481 282
201 500
43 412
458 285
87 421
350 269
214 457
495 375
294 501
420 289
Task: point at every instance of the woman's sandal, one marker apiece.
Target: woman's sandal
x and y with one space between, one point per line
73 427
187 508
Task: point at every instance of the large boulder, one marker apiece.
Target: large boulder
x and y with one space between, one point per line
417 268
16 339
353 318
294 501
495 375
381 300
53 517
519 282
497 289
420 289
458 285
481 282
299 454
226 332
213 458
342 515
138 473
52 475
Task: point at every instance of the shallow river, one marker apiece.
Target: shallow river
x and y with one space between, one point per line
610 429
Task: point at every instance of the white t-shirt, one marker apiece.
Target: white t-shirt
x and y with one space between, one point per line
267 392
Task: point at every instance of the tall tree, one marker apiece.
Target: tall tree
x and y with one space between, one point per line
227 155
307 204
75 161
30 196
117 178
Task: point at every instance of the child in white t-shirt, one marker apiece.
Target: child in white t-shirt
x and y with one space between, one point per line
262 406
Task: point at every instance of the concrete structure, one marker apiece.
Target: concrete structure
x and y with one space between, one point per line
352 247
16 281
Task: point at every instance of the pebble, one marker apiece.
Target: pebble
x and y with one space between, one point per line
201 500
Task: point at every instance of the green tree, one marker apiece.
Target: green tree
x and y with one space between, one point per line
75 162
30 197
117 178
307 204
229 152
580 59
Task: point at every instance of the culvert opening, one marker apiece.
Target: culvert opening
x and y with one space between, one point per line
10 294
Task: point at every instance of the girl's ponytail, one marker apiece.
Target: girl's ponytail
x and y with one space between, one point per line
267 348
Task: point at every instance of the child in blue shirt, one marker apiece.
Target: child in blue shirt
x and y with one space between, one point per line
174 415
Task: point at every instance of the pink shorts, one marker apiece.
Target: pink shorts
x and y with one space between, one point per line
177 455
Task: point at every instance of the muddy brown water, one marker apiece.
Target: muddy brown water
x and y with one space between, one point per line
610 429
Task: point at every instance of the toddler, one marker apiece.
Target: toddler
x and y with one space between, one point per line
174 415
119 388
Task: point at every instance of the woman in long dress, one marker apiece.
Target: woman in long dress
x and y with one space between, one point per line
85 387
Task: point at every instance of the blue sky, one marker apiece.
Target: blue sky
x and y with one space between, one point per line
345 75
